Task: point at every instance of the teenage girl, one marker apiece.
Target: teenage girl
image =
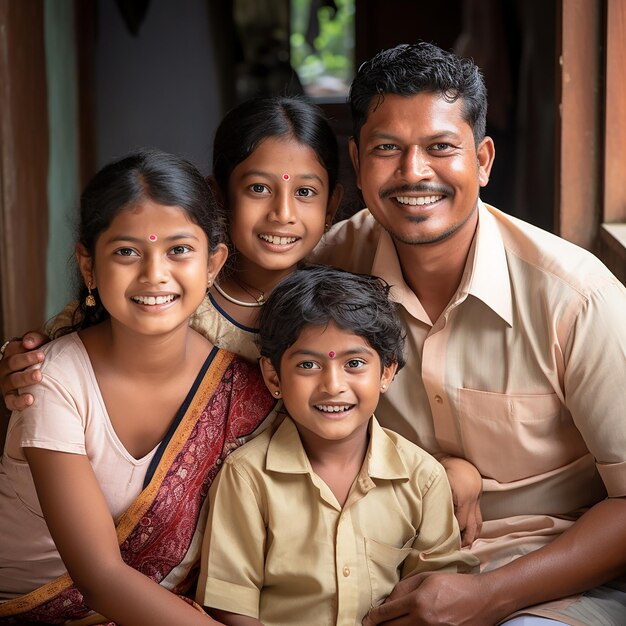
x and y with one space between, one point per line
275 164
105 473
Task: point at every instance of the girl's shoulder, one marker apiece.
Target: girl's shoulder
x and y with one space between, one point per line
64 353
223 331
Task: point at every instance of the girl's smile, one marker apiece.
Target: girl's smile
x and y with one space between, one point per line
276 222
151 283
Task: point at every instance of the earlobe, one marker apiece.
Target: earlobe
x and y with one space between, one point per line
270 376
333 204
85 265
389 371
354 157
486 154
217 258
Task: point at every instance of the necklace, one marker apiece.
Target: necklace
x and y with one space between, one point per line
260 301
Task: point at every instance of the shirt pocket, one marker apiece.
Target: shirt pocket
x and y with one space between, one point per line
383 565
511 437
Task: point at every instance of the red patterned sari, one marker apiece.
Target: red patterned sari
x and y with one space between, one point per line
160 534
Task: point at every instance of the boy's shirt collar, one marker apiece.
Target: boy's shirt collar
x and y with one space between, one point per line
285 454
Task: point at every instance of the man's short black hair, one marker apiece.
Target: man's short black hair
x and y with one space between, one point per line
409 69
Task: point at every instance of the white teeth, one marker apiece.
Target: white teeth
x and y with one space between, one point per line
278 240
418 201
333 408
153 299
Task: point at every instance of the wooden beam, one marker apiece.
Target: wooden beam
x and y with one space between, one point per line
579 140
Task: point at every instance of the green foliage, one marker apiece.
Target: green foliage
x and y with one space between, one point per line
332 53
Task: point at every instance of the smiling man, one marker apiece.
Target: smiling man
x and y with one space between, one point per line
516 350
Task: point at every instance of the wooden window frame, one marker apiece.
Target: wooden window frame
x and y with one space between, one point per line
591 186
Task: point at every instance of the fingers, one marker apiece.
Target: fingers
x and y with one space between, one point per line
14 372
472 526
17 402
34 339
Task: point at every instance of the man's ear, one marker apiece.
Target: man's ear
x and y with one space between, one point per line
354 157
85 265
486 154
270 376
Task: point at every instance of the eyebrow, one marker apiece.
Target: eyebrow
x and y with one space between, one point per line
384 136
131 239
263 173
322 355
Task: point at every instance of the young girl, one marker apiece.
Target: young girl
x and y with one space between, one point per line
275 161
318 518
105 474
275 164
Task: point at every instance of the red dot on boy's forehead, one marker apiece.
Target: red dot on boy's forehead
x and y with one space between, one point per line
331 354
286 177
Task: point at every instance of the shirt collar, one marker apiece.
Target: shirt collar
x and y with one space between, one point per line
286 455
486 274
387 265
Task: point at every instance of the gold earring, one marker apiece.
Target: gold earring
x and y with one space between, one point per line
277 393
90 300
383 387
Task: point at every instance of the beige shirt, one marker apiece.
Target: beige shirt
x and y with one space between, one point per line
223 331
523 374
280 548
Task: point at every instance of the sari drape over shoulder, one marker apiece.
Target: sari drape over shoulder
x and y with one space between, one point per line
160 534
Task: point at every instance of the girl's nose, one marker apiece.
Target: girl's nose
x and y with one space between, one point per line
154 270
283 210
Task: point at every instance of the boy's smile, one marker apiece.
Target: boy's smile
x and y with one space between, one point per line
330 398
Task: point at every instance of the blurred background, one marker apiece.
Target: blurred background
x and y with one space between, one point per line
85 81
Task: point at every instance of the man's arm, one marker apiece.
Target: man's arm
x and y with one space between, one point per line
592 551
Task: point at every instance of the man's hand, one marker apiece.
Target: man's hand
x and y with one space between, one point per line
432 599
18 356
466 484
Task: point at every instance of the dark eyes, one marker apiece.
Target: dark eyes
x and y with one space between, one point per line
352 363
126 252
303 192
308 365
387 146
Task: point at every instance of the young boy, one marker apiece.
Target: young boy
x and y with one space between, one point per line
317 519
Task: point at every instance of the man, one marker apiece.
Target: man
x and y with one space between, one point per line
516 360
516 349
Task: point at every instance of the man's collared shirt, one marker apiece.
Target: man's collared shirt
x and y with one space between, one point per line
523 374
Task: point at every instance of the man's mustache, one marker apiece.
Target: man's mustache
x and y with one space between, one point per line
431 189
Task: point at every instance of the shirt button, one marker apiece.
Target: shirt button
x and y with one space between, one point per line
346 571
218 462
438 399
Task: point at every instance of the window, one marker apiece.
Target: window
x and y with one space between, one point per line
322 46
